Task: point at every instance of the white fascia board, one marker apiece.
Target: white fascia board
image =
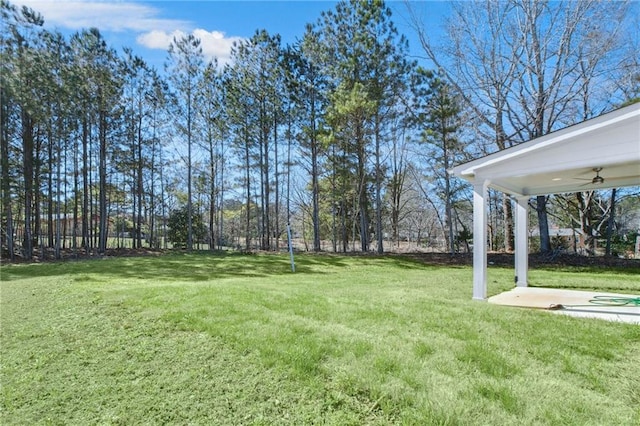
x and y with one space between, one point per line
594 125
602 160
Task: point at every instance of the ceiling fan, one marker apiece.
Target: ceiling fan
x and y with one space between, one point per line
596 180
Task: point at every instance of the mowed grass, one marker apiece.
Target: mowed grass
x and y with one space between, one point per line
240 340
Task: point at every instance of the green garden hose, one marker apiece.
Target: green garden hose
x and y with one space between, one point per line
615 301
620 301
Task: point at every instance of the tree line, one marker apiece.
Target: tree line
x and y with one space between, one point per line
340 134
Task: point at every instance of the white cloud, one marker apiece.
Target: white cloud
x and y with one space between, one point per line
126 16
215 44
106 16
157 39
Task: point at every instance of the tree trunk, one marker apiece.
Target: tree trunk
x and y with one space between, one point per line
38 237
27 170
189 186
266 225
448 214
315 193
585 212
541 210
139 183
51 198
612 221
102 176
6 237
334 204
212 195
362 198
379 236
247 165
58 198
76 202
221 196
85 187
509 237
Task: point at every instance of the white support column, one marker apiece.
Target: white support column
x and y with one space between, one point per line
480 239
522 241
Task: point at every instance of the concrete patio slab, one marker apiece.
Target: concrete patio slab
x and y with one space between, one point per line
587 304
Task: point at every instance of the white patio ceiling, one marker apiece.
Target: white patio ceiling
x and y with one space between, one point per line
564 161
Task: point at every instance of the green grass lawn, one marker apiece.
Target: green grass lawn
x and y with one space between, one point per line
240 340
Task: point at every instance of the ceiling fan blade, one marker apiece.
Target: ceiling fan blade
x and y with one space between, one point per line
596 180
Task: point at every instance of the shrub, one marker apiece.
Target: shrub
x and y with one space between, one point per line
179 227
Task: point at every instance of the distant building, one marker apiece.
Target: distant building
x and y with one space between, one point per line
573 238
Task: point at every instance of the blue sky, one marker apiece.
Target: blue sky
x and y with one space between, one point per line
148 26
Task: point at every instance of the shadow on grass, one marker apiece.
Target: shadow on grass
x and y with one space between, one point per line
204 266
595 270
197 266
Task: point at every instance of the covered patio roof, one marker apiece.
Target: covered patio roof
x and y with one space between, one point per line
563 161
600 153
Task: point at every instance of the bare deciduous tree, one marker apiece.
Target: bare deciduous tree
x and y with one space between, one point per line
523 67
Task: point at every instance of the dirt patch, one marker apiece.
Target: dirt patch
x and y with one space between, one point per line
535 260
432 258
69 254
